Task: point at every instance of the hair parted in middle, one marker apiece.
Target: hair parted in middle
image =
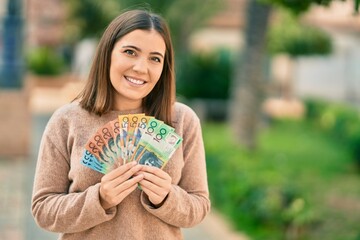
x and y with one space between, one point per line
97 95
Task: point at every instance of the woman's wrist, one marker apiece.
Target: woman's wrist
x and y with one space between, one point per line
160 204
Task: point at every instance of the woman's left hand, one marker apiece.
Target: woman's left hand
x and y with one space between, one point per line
156 184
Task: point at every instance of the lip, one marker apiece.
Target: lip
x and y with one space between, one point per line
135 81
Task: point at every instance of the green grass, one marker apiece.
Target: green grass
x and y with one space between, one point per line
299 180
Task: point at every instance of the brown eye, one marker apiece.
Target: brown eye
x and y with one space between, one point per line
156 59
129 52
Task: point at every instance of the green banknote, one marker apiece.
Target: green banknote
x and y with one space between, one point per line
148 134
155 150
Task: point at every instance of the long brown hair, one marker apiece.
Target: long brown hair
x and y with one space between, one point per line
97 95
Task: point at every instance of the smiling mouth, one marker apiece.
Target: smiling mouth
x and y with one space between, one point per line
135 81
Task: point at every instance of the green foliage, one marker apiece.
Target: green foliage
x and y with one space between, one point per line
282 190
296 39
298 6
252 191
183 16
205 75
338 120
89 18
45 61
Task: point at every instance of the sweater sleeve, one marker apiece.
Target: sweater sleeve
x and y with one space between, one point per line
188 202
53 207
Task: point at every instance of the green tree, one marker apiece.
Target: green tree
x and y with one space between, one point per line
183 16
249 81
295 39
88 18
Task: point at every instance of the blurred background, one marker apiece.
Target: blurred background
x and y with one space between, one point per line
276 84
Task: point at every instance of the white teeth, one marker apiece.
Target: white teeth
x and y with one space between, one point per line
135 81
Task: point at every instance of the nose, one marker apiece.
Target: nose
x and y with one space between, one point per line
140 65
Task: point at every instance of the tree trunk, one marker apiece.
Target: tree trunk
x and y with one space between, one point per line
248 87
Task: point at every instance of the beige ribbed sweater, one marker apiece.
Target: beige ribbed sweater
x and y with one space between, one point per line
66 193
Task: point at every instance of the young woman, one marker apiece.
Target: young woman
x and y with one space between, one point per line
132 72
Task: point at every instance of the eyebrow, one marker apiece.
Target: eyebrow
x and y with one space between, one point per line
138 49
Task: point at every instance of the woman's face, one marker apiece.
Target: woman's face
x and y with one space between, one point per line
137 62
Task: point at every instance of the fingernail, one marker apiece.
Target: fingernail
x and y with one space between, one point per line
134 163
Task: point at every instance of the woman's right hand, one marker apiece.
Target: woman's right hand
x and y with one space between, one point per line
118 184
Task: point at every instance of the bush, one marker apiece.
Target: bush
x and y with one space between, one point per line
284 190
256 197
205 75
297 39
45 61
339 121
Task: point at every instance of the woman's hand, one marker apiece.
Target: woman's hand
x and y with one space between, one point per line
156 184
118 184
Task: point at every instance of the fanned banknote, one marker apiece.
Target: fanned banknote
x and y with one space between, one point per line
132 137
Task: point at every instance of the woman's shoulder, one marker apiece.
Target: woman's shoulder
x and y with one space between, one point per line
66 109
68 112
69 108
